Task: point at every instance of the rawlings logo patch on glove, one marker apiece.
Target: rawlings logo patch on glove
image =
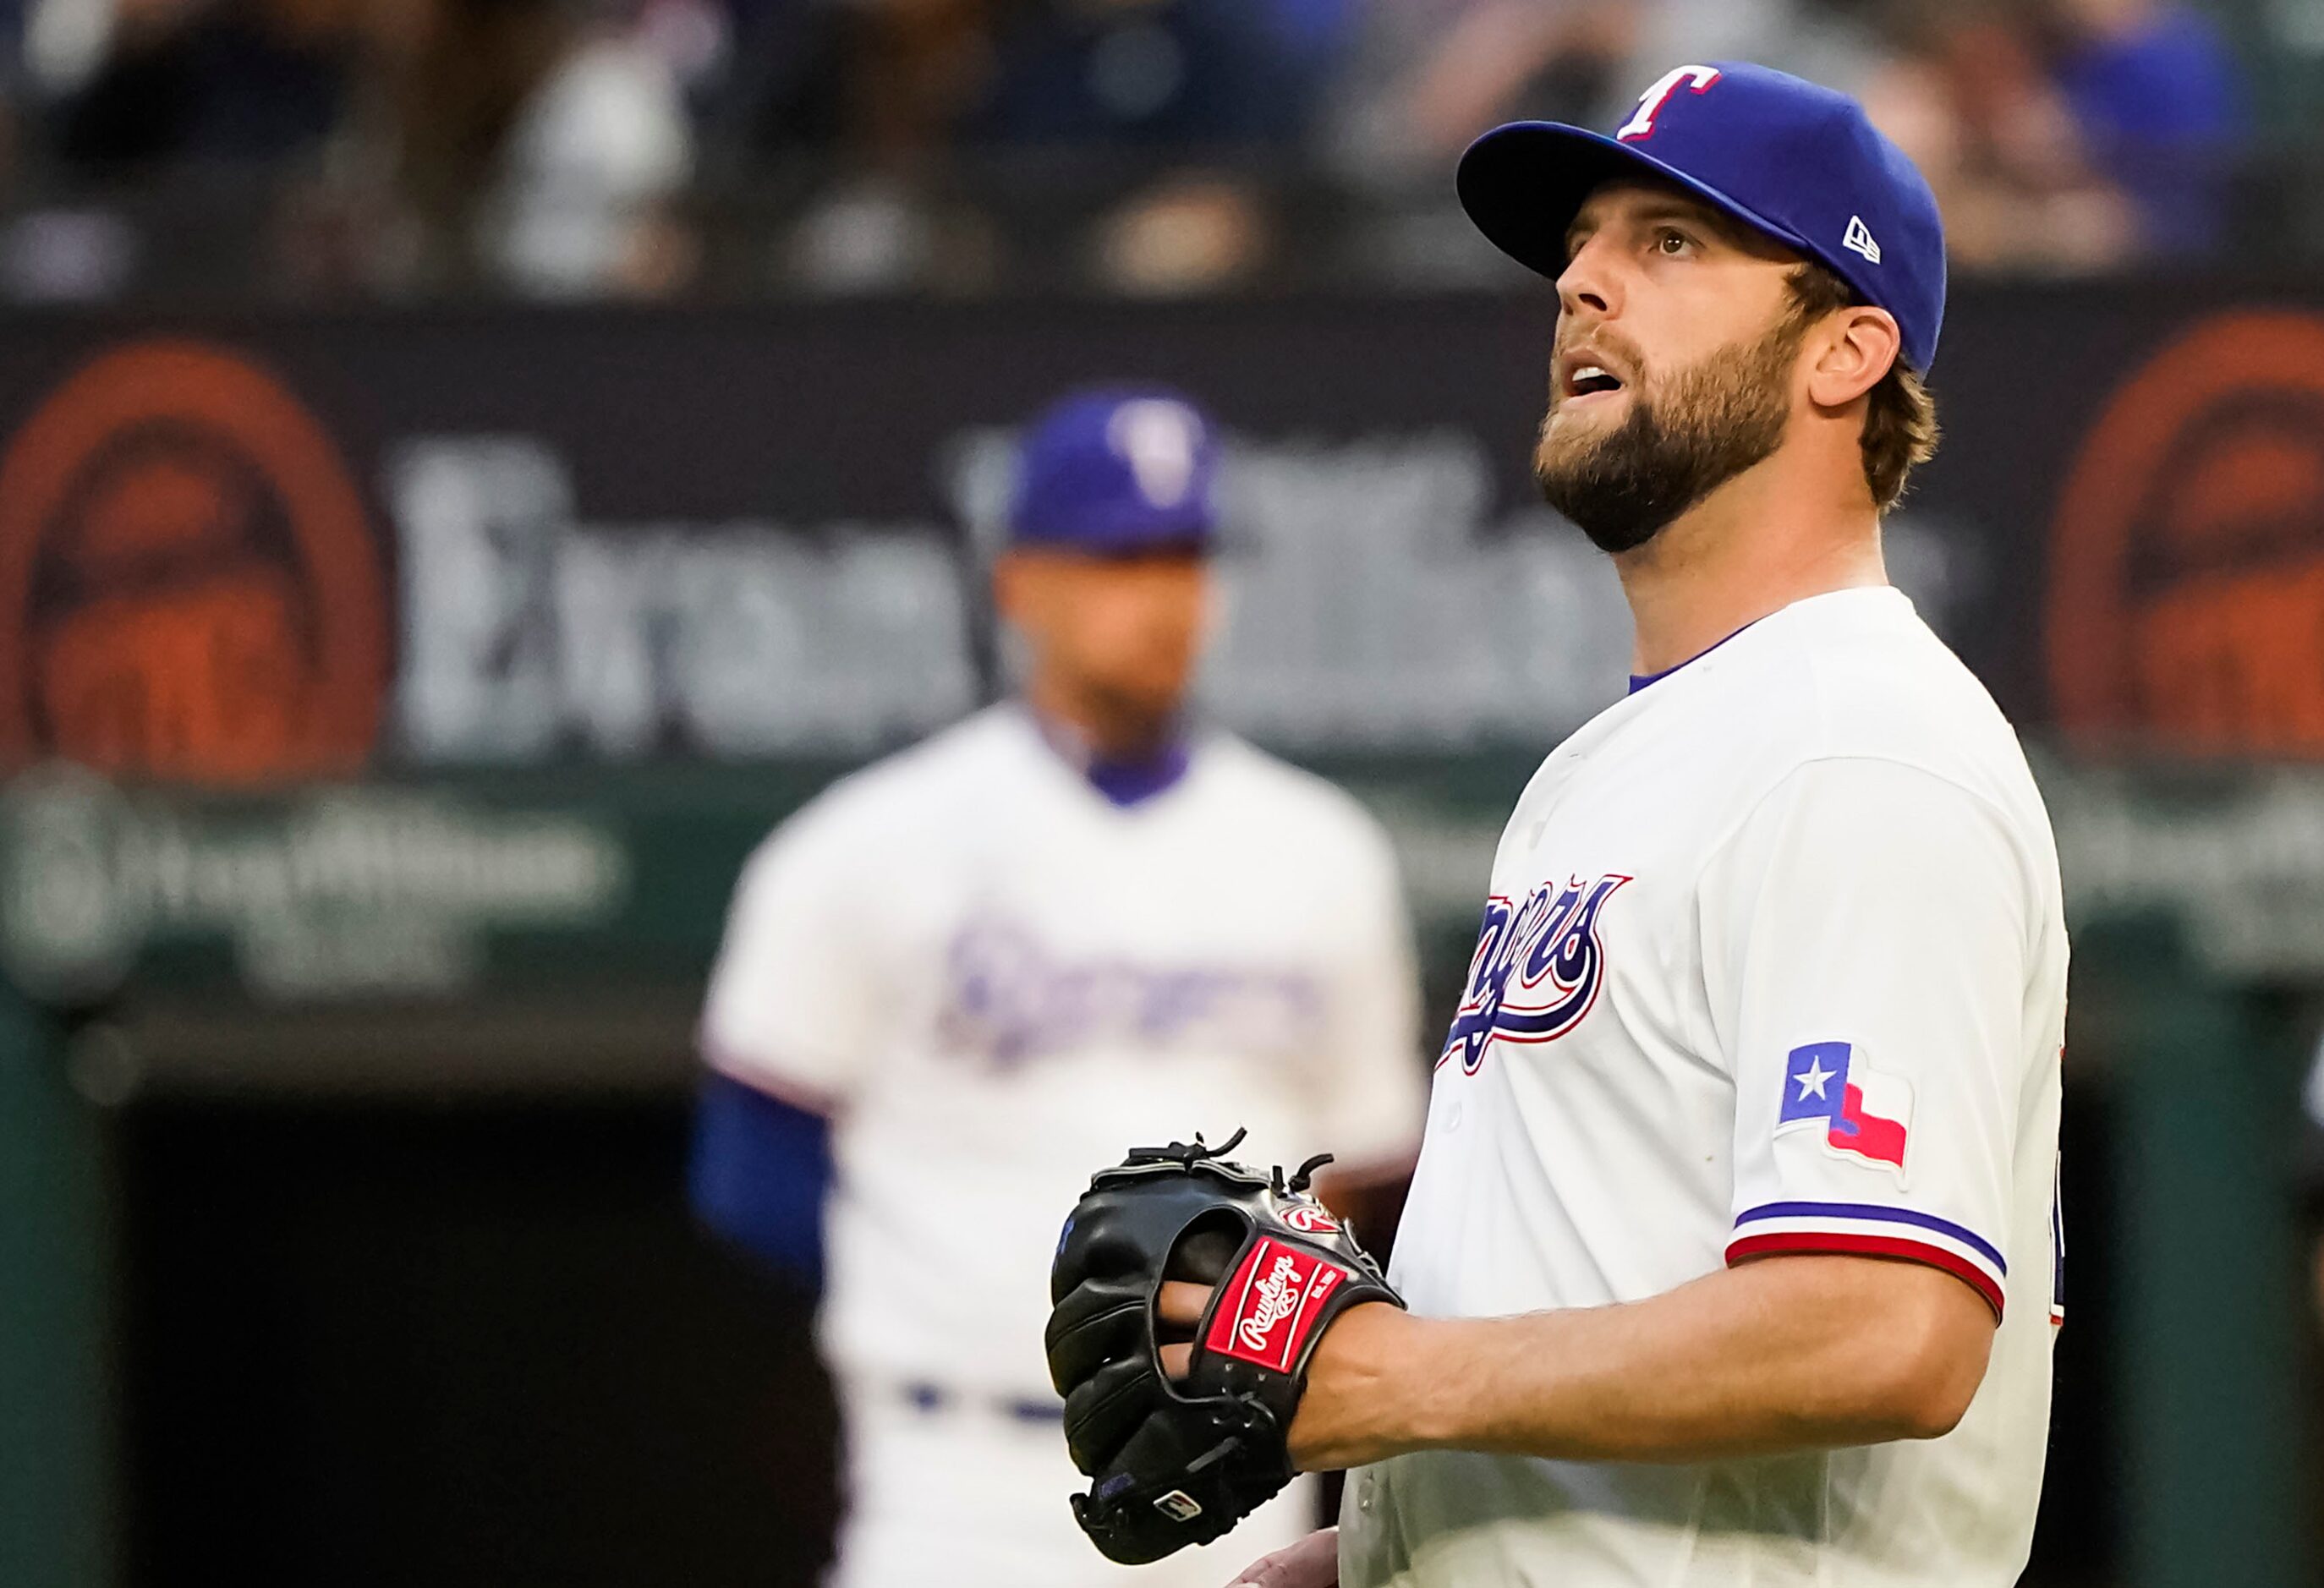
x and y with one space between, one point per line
1293 1287
1174 1464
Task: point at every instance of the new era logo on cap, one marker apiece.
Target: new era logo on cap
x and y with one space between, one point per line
1801 164
1859 239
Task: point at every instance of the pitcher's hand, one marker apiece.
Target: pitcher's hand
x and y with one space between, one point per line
1312 1562
1358 1362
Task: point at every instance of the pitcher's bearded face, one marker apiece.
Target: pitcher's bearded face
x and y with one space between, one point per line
1626 448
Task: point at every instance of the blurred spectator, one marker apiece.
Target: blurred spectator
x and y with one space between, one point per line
547 144
907 84
242 81
2160 102
1189 233
1430 75
877 235
543 140
1199 73
882 82
1433 74
581 201
1970 98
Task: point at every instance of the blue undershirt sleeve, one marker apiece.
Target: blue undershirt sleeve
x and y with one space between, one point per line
760 1170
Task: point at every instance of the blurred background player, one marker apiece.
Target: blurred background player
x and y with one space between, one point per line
1071 923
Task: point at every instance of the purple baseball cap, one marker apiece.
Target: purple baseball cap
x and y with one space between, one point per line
1800 163
1115 471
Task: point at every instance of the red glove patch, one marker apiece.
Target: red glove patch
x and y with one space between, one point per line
1270 1306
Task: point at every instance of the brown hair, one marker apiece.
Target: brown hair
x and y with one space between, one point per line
1900 431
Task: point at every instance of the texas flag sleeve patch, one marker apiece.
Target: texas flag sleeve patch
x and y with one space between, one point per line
1860 1113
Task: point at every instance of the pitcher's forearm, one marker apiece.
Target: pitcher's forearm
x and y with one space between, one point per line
1788 1353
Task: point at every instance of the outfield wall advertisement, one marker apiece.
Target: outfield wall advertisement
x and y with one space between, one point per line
258 550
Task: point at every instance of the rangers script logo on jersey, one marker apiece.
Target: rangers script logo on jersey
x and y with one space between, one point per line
1537 968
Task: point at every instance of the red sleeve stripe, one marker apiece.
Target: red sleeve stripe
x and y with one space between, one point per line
1745 1247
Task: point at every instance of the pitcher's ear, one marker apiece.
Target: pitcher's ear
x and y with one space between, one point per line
1855 350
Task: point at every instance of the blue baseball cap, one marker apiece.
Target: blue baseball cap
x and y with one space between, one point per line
1115 471
1800 163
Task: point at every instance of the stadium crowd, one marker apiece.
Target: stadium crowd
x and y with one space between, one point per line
561 148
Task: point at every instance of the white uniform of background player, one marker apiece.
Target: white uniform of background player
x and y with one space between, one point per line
994 966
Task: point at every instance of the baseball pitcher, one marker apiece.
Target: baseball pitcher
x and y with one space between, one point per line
1732 1255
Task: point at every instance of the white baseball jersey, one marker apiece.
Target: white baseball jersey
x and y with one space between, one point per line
1774 962
996 982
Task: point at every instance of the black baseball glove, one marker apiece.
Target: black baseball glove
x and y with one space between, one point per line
1179 1463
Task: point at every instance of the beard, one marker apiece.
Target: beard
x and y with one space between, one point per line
1675 446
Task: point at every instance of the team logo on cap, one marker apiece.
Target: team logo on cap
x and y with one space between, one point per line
1641 124
1159 440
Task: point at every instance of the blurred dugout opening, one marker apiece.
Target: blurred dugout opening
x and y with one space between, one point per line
458 1333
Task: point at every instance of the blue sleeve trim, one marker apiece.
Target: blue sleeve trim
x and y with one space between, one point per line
1877 1213
760 1170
